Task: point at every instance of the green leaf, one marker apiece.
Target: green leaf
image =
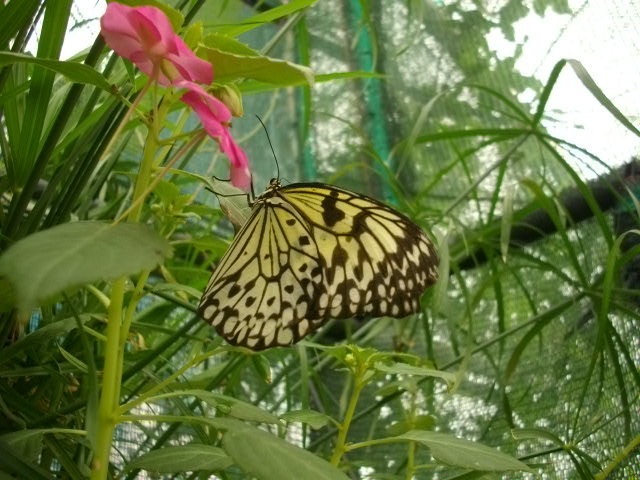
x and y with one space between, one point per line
40 337
268 457
537 434
507 221
14 17
74 254
186 458
25 443
405 369
76 362
252 86
459 452
227 405
7 299
74 71
262 367
233 202
599 95
266 17
232 66
229 45
420 422
312 418
238 408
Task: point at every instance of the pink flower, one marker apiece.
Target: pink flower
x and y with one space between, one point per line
144 35
216 117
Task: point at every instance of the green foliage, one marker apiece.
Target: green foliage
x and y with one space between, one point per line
265 456
463 453
530 351
70 255
193 458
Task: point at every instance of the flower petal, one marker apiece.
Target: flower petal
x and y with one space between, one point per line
209 108
241 178
145 36
215 116
190 66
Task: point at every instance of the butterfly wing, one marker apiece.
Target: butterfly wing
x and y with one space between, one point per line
262 292
375 260
311 252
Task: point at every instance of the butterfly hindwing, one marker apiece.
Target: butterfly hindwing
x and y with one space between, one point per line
311 252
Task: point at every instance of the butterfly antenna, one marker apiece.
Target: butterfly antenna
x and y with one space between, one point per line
272 151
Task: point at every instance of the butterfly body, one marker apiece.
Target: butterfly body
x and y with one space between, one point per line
310 252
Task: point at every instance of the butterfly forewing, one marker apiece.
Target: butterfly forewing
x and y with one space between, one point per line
311 252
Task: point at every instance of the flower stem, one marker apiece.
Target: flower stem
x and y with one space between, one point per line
343 429
411 460
107 408
626 451
126 325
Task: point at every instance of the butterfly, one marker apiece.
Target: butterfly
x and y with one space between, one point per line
310 252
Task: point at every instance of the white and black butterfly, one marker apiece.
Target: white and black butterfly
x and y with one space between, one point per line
310 252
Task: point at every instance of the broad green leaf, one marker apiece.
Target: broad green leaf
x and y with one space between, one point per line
26 443
312 418
420 422
213 244
268 457
185 458
232 66
193 35
265 17
405 369
462 453
74 254
227 405
74 71
229 45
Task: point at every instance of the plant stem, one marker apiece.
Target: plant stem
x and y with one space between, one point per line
126 325
618 459
343 429
117 326
110 385
411 460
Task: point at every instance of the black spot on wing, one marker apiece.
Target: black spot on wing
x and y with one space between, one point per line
331 214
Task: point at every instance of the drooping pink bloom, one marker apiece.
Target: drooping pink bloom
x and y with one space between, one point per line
216 118
144 35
